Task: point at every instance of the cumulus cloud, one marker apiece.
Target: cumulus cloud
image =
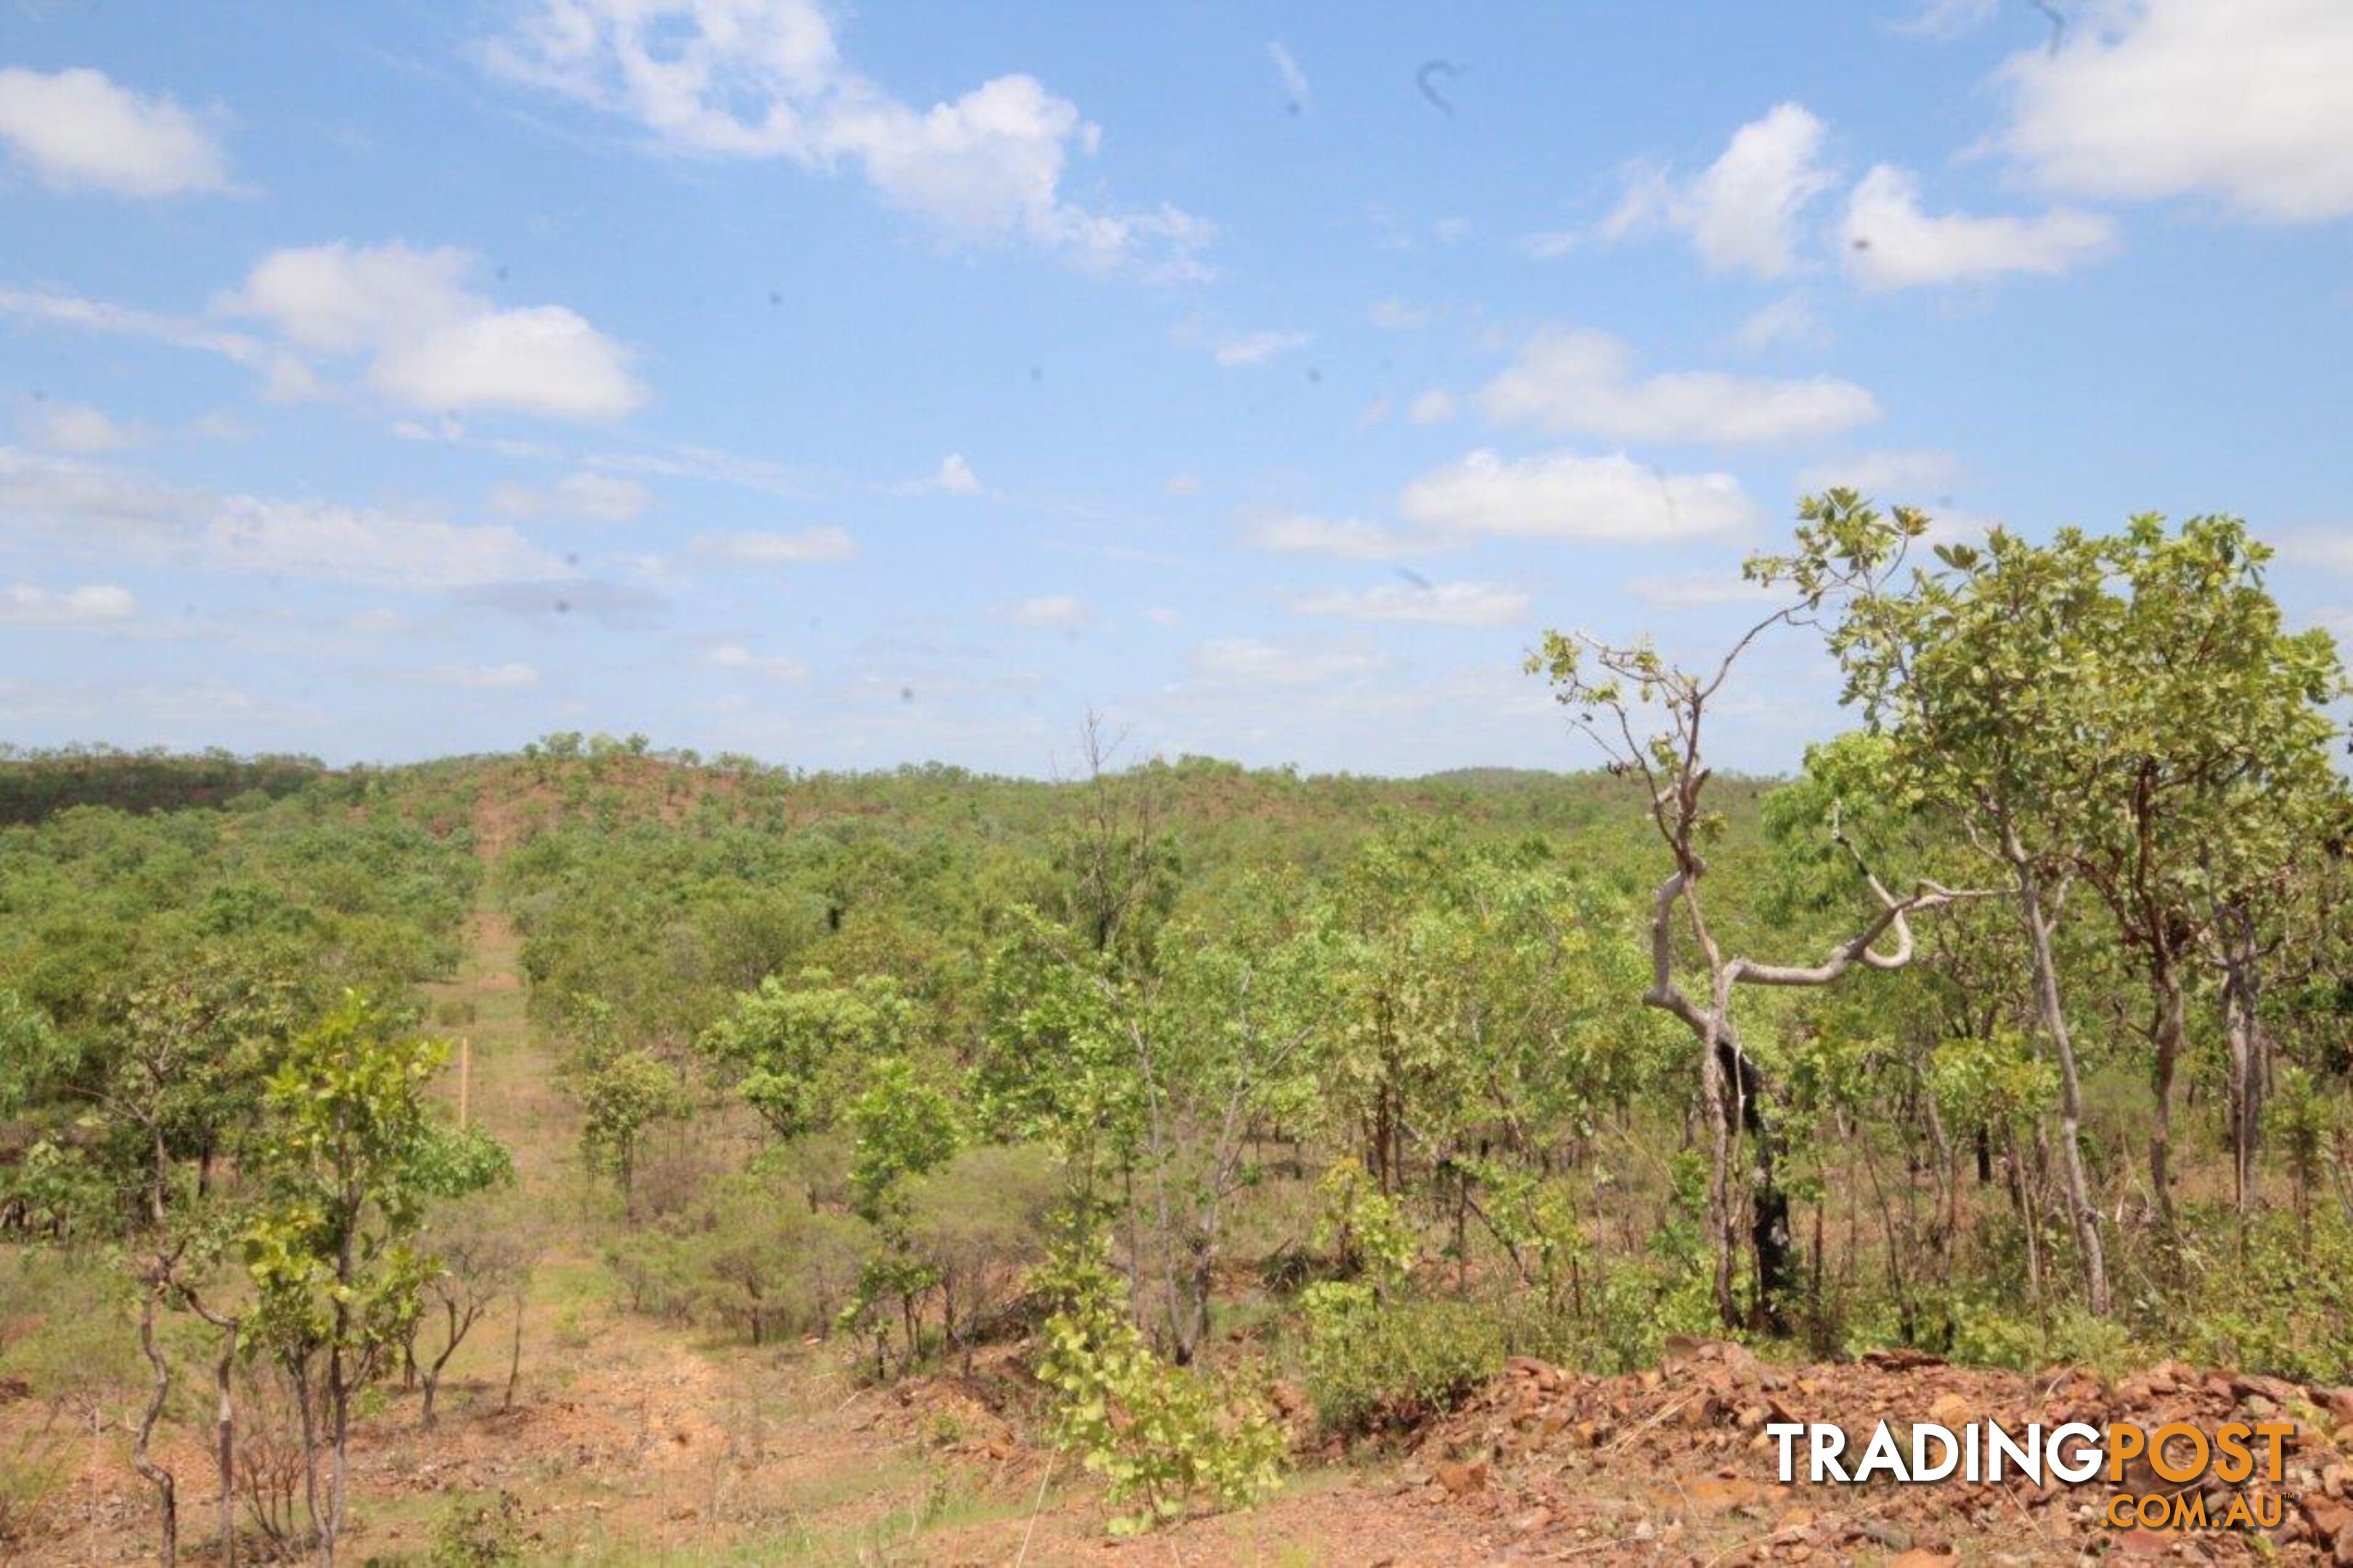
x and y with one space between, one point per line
1742 212
1562 495
430 342
1888 242
79 131
593 496
24 605
766 78
809 546
1572 379
1439 603
2244 103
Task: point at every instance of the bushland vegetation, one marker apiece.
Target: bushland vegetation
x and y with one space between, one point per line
1198 1100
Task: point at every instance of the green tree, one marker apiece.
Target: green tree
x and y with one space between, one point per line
618 1102
1614 692
799 1050
345 1162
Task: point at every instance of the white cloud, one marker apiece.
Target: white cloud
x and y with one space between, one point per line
1247 661
705 464
1255 348
596 498
1888 242
76 131
85 499
2245 102
543 360
1435 406
432 342
348 544
1294 80
736 657
756 549
1550 244
1741 212
23 605
481 677
1304 533
1788 320
1571 380
1894 476
1441 604
1049 610
954 478
765 79
108 511
1560 495
76 428
285 378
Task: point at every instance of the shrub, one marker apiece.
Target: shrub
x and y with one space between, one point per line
481 1533
1159 1434
1372 1365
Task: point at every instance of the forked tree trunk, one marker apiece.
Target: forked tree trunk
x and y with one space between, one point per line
141 1460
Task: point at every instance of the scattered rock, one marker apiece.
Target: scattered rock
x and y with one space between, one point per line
1459 1480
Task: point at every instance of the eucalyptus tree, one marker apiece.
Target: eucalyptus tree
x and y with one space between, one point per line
1614 692
2125 713
1978 675
347 1161
1153 1079
2209 738
180 1085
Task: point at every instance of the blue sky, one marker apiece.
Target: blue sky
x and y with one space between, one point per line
852 387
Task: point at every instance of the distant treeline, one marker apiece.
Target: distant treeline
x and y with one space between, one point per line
35 785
